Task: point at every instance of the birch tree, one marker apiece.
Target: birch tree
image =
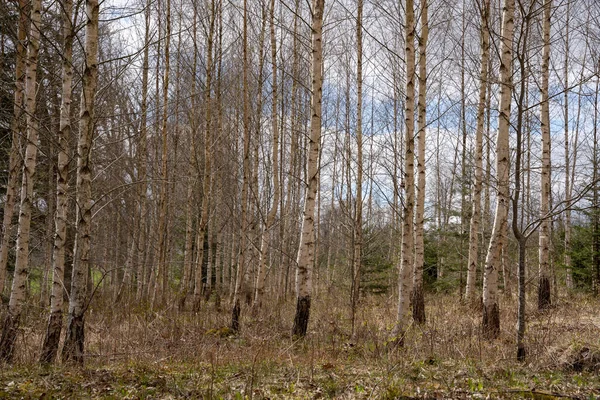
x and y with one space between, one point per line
74 337
208 142
243 251
406 262
18 291
544 238
55 320
491 310
16 128
358 234
142 160
476 214
160 259
418 295
568 153
272 213
192 176
306 247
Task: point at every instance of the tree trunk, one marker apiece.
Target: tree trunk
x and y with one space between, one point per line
16 127
240 288
544 239
358 235
517 221
464 181
418 300
265 238
160 285
208 143
476 214
18 291
595 196
191 178
491 311
74 339
567 254
307 238
141 154
54 327
406 266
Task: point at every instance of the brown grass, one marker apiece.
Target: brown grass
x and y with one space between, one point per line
133 352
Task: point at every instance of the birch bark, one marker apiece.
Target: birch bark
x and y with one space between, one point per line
406 263
306 247
418 300
265 239
16 127
476 215
491 310
74 339
18 291
54 327
544 238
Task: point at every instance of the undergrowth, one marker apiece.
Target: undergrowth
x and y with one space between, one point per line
134 352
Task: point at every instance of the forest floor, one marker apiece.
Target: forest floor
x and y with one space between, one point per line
142 354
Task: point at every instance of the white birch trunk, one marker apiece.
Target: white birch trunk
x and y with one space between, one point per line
358 234
544 238
476 215
241 273
491 311
306 247
16 128
74 341
418 300
406 259
54 327
265 238
18 291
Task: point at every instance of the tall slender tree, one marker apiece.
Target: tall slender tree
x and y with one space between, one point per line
406 262
568 153
55 320
358 205
306 256
208 146
142 160
491 309
418 300
73 349
544 238
18 291
16 128
240 280
160 259
272 214
476 214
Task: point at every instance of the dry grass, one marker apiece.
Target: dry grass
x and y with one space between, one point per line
136 353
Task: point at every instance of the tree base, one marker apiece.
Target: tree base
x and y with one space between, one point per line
52 338
182 300
491 321
521 353
74 340
544 294
9 335
418 305
217 301
396 340
301 318
197 302
235 316
248 297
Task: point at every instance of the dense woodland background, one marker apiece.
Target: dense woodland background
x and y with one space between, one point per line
167 153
